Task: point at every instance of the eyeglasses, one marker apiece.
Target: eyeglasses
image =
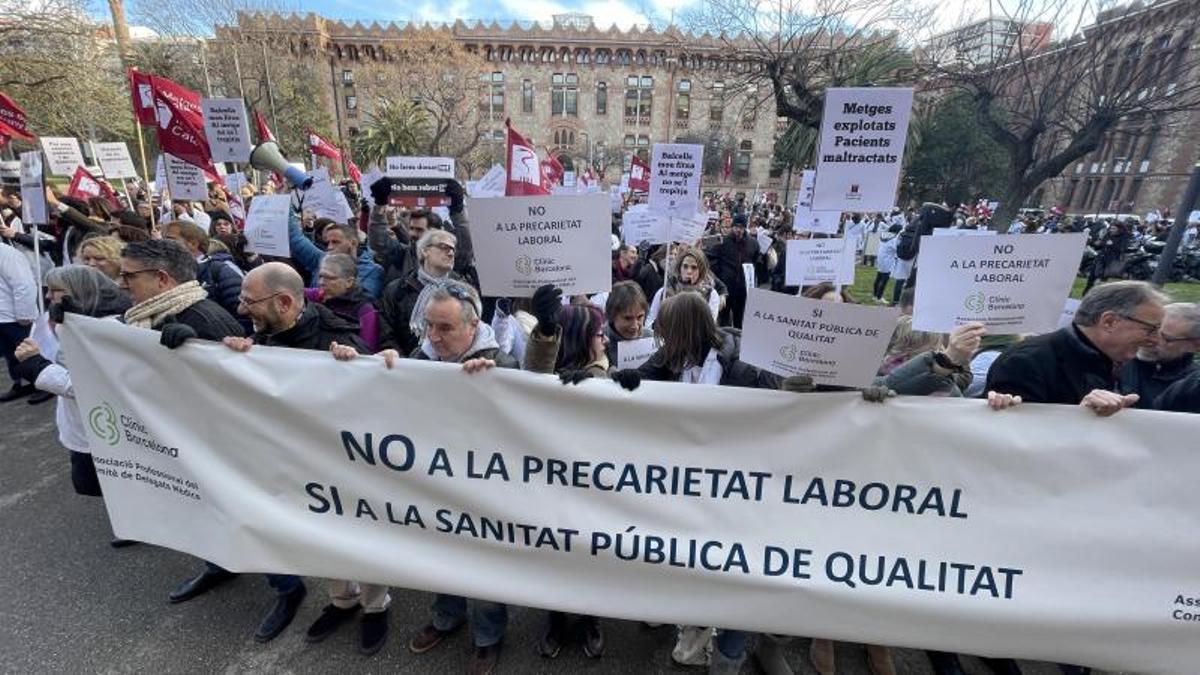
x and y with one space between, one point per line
1173 340
462 295
133 273
250 303
1150 328
446 248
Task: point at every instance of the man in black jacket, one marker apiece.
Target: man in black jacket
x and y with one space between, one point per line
1172 359
727 260
1078 364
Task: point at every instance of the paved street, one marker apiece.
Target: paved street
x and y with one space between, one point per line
76 605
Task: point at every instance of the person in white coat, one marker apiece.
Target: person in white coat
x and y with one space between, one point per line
18 309
78 289
690 273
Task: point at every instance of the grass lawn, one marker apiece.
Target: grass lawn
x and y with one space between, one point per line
865 278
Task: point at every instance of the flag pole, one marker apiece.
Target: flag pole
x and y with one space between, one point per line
137 124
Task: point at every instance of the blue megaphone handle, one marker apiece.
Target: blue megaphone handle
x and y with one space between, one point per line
298 178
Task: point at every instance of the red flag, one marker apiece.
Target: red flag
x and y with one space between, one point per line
727 168
552 172
4 140
323 148
141 91
12 119
180 124
85 186
524 170
355 174
639 175
264 131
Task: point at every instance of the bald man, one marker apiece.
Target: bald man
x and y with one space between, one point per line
273 298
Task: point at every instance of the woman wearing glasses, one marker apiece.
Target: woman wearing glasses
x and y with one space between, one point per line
338 290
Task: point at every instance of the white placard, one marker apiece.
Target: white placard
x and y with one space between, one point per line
688 228
267 225
33 189
807 220
186 181
420 167
1068 313
633 353
160 174
1010 284
226 129
831 342
640 224
114 160
950 232
320 197
675 170
524 242
41 333
63 155
764 241
235 181
863 131
368 179
749 274
569 179
813 261
616 200
492 184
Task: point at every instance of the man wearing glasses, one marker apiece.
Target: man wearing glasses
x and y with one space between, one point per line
436 252
1172 359
1079 364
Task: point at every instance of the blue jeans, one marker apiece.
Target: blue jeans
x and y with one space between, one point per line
280 583
732 643
488 619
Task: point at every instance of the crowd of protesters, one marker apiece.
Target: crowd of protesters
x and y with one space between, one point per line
402 284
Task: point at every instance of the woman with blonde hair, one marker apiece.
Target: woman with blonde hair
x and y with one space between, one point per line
102 253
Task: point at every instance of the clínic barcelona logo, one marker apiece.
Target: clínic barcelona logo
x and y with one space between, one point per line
103 422
975 302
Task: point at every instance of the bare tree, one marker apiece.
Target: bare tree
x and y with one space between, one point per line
1116 75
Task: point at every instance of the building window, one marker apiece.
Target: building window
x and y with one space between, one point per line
643 147
564 94
348 77
526 96
639 99
351 102
581 56
602 57
741 163
683 100
630 141
623 57
601 98
716 108
491 96
564 139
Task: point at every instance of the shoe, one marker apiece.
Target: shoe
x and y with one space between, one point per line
822 657
593 637
281 614
332 617
17 391
879 660
198 585
485 660
429 637
770 657
720 664
124 543
39 397
374 631
553 635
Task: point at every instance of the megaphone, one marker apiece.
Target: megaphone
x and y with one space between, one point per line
267 157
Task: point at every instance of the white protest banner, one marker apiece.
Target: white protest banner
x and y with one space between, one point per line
959 232
633 353
323 198
749 274
807 220
267 225
568 179
856 521
764 240
63 155
813 261
863 132
675 170
185 181
640 224
687 228
114 160
226 129
235 181
1010 284
1068 313
524 242
492 184
420 167
831 342
33 189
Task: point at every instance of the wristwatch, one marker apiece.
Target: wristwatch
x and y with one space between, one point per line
944 361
